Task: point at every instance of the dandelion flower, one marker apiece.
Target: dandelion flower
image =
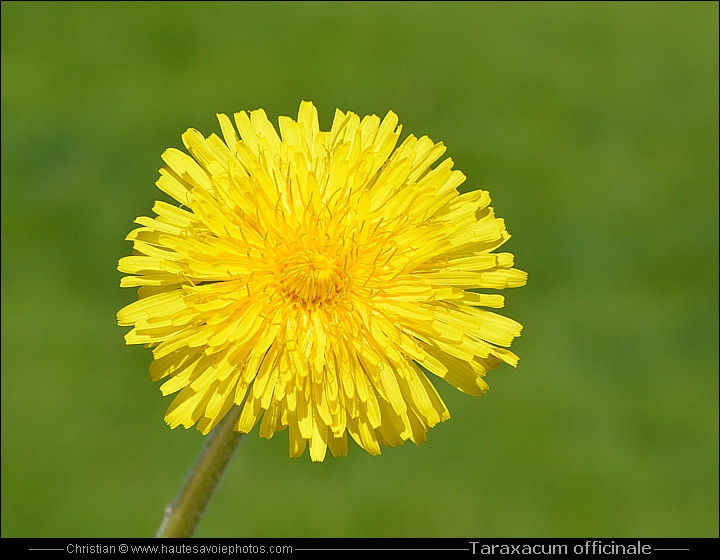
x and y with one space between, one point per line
318 278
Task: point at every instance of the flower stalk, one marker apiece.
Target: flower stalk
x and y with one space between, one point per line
184 512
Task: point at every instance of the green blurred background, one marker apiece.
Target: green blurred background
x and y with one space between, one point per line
595 128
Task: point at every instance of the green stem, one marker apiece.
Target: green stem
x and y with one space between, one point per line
183 514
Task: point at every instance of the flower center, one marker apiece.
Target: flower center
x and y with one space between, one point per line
311 278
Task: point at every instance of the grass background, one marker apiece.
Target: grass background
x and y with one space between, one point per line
595 128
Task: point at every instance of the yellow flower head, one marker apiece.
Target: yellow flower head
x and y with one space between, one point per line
317 277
